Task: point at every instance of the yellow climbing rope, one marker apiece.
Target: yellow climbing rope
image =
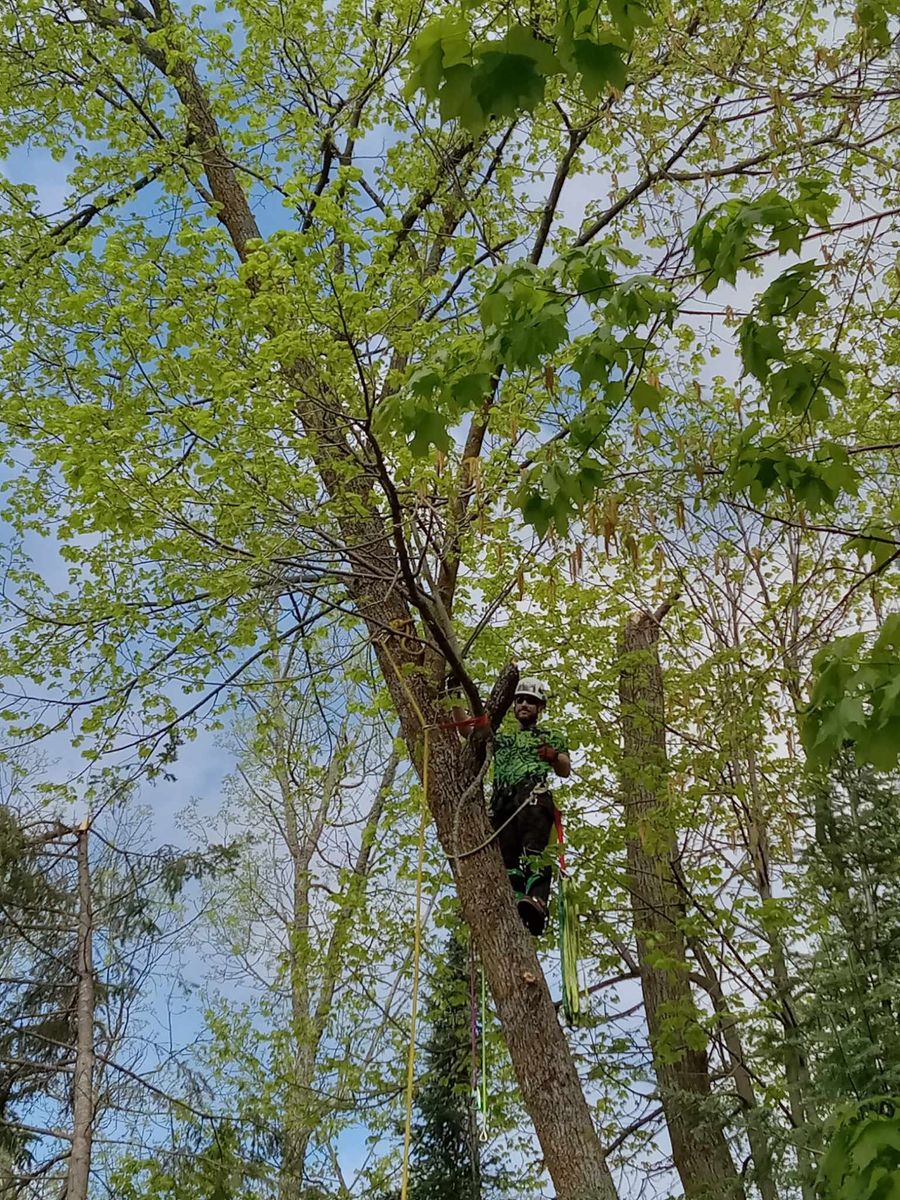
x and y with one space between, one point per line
417 935
417 953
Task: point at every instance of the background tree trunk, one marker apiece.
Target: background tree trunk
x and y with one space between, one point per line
83 1080
795 1066
699 1149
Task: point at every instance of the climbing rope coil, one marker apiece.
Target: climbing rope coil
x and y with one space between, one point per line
567 925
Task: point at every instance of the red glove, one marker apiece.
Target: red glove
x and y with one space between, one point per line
548 754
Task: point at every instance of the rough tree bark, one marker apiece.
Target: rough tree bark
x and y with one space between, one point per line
699 1149
79 1168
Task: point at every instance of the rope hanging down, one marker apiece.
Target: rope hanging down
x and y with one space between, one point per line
417 932
417 955
478 1077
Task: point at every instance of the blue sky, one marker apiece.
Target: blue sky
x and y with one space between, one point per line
204 762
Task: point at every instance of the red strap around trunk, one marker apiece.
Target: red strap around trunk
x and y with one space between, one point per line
468 722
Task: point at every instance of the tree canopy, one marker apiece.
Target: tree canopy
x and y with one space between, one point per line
355 355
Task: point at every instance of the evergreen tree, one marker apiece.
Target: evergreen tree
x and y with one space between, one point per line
854 970
36 1018
445 1159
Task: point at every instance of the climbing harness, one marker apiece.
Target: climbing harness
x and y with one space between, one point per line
494 834
567 922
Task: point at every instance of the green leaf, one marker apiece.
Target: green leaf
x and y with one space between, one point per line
524 343
598 64
537 512
520 42
591 365
457 101
874 1140
442 44
429 429
793 292
470 388
645 397
723 238
588 269
425 381
831 371
589 428
797 390
872 18
509 76
844 722
759 344
628 15
505 84
815 200
877 541
889 635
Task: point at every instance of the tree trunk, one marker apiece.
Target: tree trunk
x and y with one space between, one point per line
299 1117
545 1071
302 1116
699 1149
83 1079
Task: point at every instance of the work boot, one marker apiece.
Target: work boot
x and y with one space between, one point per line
533 913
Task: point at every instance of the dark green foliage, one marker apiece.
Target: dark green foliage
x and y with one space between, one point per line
851 1027
862 1161
856 699
39 990
445 1154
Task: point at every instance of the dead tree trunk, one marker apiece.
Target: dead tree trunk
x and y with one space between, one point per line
83 1078
699 1149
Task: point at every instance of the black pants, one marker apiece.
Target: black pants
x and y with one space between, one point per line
525 836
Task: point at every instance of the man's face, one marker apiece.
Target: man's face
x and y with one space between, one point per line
526 709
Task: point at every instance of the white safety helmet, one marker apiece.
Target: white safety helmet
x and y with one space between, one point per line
533 689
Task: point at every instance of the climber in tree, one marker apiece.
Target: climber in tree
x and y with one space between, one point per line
522 808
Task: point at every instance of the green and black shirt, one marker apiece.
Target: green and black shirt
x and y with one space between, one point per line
516 760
